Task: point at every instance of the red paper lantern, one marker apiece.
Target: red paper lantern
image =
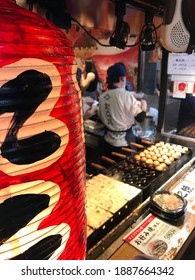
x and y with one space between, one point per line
42 162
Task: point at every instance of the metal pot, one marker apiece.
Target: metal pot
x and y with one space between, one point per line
145 128
148 124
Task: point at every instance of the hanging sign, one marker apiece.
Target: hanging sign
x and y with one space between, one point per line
181 64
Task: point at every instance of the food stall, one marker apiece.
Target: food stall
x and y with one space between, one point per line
142 201
124 240
137 172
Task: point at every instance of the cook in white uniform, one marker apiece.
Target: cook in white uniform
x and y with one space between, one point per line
118 109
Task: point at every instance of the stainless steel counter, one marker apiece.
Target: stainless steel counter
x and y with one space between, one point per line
121 250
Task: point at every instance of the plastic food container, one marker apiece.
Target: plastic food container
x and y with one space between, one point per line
168 205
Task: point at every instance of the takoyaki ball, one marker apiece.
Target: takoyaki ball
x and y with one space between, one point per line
156 162
143 159
142 154
163 164
162 143
178 148
158 145
137 157
149 161
167 161
164 157
154 157
173 146
148 155
160 167
151 148
184 150
164 152
171 152
158 155
167 145
171 159
177 155
160 159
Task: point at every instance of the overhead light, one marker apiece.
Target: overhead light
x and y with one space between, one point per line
148 36
120 36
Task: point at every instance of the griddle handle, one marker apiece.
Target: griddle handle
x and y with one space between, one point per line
128 150
108 159
98 166
147 142
119 155
137 145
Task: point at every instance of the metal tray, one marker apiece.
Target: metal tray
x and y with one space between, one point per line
100 233
143 176
102 237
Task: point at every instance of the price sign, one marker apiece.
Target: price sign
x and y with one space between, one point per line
181 64
155 237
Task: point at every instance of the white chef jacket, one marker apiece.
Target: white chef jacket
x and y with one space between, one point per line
117 109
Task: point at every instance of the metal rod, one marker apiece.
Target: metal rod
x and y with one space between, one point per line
163 90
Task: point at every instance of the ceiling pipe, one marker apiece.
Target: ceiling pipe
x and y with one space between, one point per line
153 6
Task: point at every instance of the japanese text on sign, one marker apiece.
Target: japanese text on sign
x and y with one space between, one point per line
181 64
